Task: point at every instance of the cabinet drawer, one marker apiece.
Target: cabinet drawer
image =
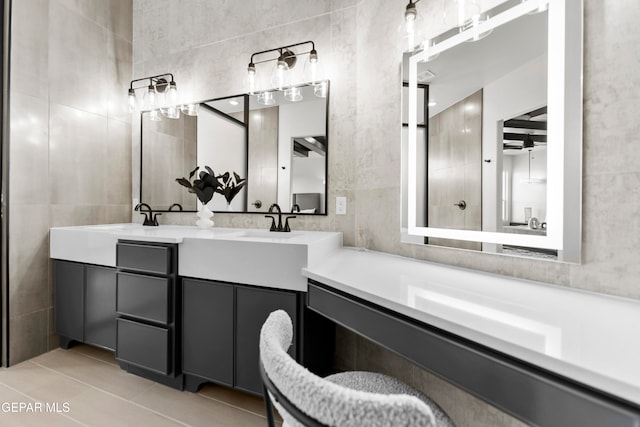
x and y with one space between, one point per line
145 297
147 258
144 345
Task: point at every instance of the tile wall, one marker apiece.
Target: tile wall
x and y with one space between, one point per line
207 46
70 143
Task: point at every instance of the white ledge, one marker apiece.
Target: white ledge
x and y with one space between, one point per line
588 337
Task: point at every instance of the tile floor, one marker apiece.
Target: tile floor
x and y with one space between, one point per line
85 386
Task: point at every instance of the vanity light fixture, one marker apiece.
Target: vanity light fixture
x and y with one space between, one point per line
285 58
411 29
411 13
160 97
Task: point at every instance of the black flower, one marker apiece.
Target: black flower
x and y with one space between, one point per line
204 186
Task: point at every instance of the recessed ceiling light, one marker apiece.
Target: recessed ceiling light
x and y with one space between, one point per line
233 102
432 103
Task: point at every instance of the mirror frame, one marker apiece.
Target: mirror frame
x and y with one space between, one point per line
247 109
564 162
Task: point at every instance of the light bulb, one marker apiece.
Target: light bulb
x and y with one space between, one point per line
410 12
410 31
132 100
172 94
280 75
149 101
293 94
312 72
250 85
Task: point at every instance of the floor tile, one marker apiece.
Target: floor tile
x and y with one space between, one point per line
241 400
88 383
94 352
195 410
41 383
104 375
31 414
97 408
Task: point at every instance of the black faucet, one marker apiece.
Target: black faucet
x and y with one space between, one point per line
273 219
295 208
175 205
151 219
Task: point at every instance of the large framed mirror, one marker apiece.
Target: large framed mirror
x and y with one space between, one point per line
492 133
280 149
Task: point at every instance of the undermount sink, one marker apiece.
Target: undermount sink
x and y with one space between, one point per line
263 234
112 227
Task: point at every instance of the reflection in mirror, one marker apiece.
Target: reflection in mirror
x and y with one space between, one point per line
280 149
480 164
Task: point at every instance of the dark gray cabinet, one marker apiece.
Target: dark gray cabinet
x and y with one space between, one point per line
69 301
100 307
146 303
221 331
85 298
207 324
253 306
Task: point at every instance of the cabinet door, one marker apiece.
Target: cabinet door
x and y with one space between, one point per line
207 330
100 307
253 305
69 299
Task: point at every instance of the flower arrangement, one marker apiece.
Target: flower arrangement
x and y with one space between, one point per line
204 186
231 185
207 184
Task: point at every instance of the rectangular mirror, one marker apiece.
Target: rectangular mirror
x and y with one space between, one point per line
492 122
280 149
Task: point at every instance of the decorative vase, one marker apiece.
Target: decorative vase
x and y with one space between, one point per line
204 215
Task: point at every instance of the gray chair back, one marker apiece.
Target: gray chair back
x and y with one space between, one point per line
322 401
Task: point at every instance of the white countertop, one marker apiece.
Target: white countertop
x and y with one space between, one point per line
248 256
591 338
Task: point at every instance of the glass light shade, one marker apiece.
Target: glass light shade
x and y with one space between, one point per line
190 109
154 115
293 94
459 12
411 34
172 112
280 76
250 83
266 98
150 100
312 72
172 95
132 100
320 90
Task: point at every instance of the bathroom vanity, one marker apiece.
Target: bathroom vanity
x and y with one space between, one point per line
548 355
184 306
181 305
